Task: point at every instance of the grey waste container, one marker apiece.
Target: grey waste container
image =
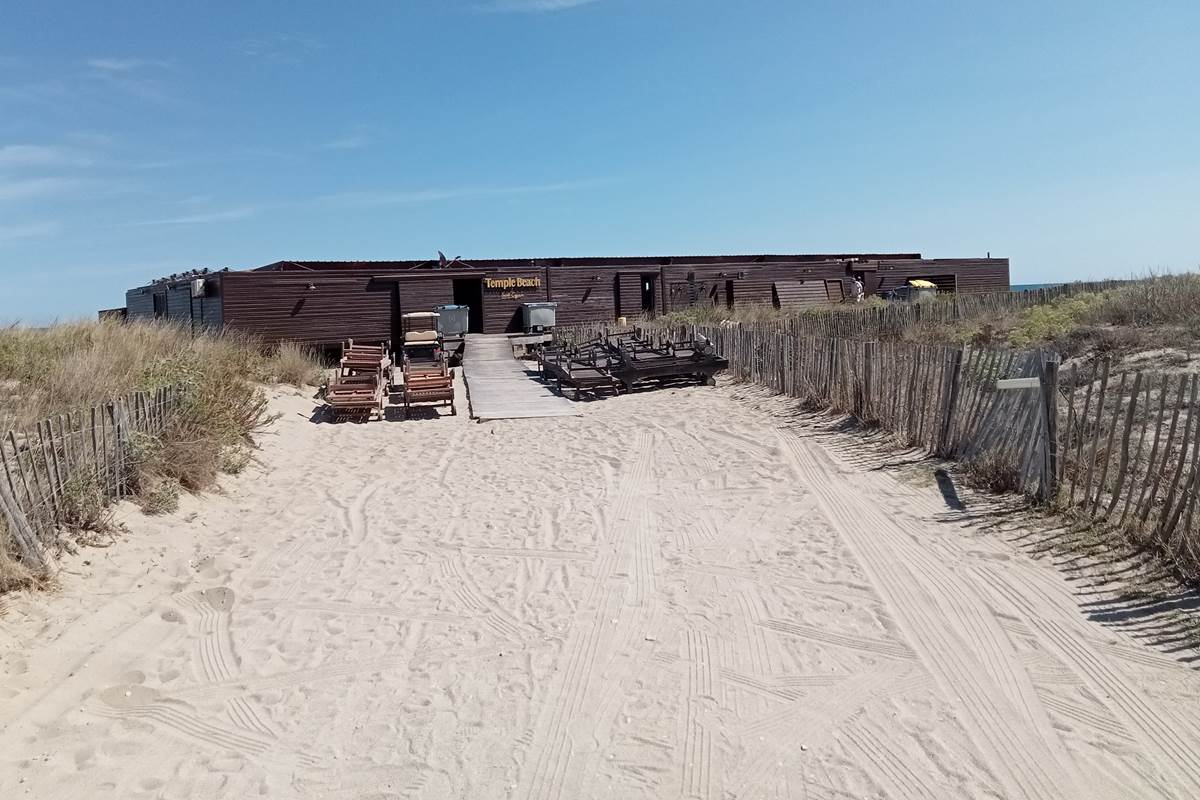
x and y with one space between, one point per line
453 321
539 316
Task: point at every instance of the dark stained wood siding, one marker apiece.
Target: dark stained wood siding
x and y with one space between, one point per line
795 294
139 304
280 306
502 310
752 283
363 299
206 311
583 295
179 304
629 293
970 274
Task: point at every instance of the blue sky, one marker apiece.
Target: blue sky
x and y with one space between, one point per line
140 139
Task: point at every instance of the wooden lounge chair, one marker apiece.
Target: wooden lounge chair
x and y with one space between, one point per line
360 359
428 383
356 396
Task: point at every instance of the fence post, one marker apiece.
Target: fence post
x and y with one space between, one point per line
868 381
1049 375
22 533
952 394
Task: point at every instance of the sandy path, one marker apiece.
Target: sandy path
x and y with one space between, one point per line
671 596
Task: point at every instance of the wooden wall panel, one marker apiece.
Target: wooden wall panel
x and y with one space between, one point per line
139 304
350 301
970 274
280 306
179 304
796 294
629 291
583 295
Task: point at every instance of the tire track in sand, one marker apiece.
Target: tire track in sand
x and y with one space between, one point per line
812 721
552 741
891 768
876 647
951 629
697 765
1167 739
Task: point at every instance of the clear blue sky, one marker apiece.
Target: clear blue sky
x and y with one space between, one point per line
138 139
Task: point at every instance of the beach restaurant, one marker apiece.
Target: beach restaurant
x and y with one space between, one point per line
326 302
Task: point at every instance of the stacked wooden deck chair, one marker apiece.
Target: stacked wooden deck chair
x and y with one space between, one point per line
621 361
582 368
364 375
428 382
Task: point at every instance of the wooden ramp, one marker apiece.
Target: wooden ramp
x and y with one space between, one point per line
501 387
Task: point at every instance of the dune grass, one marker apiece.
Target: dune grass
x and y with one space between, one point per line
68 367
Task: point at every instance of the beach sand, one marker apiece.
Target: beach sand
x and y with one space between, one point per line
673 595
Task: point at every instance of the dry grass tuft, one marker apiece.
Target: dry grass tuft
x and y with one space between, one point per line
992 472
48 371
295 365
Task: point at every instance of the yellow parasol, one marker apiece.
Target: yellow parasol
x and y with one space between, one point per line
920 284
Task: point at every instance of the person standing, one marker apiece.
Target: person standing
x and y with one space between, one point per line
858 290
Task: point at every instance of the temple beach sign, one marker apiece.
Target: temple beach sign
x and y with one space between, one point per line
509 284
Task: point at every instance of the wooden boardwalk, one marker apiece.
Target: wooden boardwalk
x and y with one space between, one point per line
501 387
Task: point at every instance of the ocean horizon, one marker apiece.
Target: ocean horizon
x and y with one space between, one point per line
1028 287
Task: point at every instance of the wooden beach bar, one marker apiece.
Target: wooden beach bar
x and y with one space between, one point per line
322 303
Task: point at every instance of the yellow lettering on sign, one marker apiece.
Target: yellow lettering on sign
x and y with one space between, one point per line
508 284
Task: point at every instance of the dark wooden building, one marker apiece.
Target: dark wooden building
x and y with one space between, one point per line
324 302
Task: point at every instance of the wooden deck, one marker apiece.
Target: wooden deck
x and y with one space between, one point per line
501 387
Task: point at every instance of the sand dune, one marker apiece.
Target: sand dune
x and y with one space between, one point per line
670 596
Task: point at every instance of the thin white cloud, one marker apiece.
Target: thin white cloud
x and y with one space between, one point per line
351 141
49 92
32 230
123 64
371 198
133 76
33 188
224 215
285 48
40 155
389 197
533 6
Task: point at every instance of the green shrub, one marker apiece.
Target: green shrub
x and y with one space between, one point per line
1044 324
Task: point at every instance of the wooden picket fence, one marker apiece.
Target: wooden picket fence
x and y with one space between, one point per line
1118 449
1131 445
45 468
942 399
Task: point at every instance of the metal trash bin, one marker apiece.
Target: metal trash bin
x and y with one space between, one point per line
538 316
453 321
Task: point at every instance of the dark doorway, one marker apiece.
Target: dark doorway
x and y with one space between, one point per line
648 304
729 294
469 292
